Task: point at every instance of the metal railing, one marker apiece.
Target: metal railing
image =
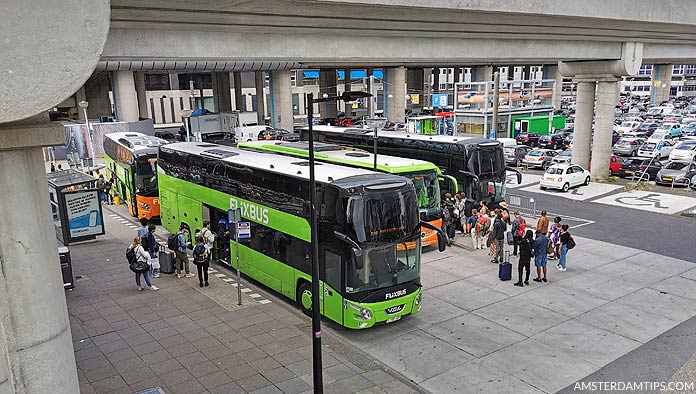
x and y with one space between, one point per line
525 205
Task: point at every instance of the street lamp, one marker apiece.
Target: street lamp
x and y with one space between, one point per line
316 316
186 114
83 104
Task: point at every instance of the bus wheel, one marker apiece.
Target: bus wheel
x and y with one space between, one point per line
304 298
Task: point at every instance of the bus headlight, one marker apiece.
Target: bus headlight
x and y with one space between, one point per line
145 206
363 313
419 298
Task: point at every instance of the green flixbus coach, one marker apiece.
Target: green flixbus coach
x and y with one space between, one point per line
369 227
423 174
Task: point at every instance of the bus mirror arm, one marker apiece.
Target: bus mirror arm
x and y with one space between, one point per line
442 239
517 173
355 249
475 177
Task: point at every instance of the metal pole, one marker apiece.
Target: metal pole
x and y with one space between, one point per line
91 142
374 148
316 316
188 132
239 275
496 100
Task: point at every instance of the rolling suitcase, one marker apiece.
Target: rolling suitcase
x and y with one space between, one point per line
166 260
505 268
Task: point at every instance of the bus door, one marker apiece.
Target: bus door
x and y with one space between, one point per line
132 203
330 286
448 184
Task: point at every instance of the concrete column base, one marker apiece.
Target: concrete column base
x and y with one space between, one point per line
607 97
281 114
584 112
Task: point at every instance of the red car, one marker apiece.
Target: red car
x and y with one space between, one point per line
615 164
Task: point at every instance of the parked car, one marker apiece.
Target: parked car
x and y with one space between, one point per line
656 149
564 157
671 128
615 164
564 176
639 167
657 137
551 141
529 139
677 173
626 126
627 146
515 154
684 151
648 128
540 158
689 129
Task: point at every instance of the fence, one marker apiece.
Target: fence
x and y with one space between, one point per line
525 205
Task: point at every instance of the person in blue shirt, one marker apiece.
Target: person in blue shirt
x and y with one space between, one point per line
182 261
540 246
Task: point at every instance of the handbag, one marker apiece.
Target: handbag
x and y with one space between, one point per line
139 267
154 262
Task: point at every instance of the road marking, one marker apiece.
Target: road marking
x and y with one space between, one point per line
581 193
246 290
211 270
649 201
228 280
220 275
234 284
264 301
254 295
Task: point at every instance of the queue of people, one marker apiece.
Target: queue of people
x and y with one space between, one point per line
498 229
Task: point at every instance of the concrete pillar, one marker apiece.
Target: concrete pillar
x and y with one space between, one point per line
260 99
141 93
221 91
607 97
584 112
662 83
125 96
482 74
328 85
238 95
396 79
80 95
174 81
554 73
36 352
281 99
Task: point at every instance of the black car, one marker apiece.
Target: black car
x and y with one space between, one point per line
530 139
615 137
639 167
273 134
647 128
552 141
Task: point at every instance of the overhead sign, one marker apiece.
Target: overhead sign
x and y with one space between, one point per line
244 230
439 100
84 213
234 215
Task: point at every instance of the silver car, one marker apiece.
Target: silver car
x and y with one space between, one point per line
564 157
628 146
677 173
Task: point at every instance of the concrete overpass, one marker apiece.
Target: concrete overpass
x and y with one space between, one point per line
52 48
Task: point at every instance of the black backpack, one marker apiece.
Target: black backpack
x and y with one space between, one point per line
173 242
200 254
571 242
130 255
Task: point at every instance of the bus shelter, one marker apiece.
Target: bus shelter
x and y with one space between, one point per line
77 212
425 125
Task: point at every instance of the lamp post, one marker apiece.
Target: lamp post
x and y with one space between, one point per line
316 316
186 114
83 104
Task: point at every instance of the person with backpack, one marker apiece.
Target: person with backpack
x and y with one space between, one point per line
504 212
448 218
482 225
177 243
540 248
143 230
138 260
208 236
526 243
201 258
567 242
499 238
471 227
519 230
152 247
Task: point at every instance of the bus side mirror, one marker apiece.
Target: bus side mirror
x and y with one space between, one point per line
442 239
358 258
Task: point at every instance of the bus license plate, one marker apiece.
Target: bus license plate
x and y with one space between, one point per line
393 319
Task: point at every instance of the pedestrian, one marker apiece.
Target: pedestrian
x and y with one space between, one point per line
60 167
554 238
471 228
143 230
208 236
448 219
518 230
525 258
152 247
484 207
461 207
567 242
141 256
543 223
223 233
498 236
504 212
182 262
100 186
201 258
107 188
483 226
540 249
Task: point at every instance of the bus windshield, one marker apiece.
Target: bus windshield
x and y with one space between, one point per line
146 175
384 217
428 193
385 266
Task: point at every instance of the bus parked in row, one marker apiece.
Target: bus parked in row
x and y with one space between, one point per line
132 158
478 164
423 174
366 221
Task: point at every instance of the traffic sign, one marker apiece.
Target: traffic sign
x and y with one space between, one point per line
244 229
439 100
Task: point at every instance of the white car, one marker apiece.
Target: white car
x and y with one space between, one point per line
626 126
684 151
659 136
564 176
656 149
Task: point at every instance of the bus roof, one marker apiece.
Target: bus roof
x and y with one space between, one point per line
137 143
342 155
407 136
286 165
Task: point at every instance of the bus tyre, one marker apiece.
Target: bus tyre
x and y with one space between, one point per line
304 298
